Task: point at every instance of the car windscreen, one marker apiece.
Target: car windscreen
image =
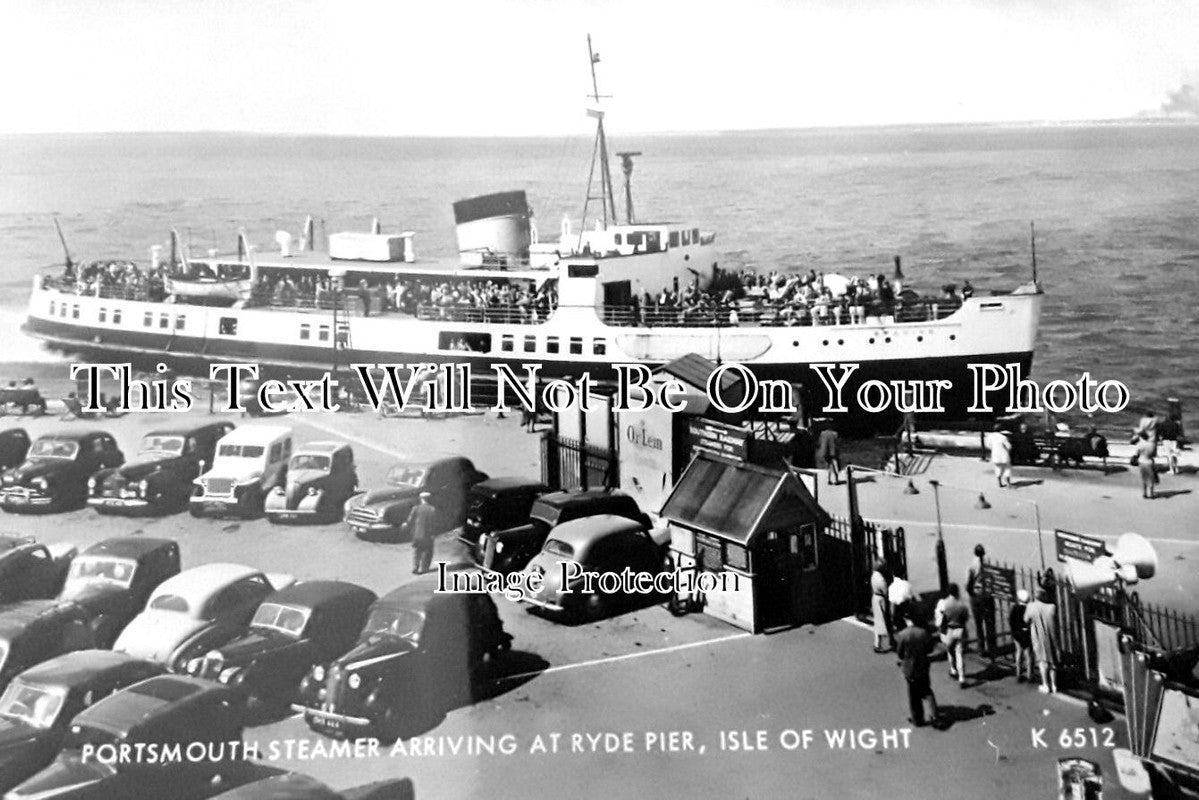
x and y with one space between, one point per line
169 602
395 622
404 475
162 445
309 461
545 512
100 568
241 451
557 547
34 705
53 448
288 619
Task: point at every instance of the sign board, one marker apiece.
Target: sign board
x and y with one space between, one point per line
1078 547
646 456
1107 656
997 581
718 439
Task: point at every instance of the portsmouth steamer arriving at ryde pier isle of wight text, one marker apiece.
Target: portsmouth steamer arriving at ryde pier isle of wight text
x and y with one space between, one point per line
573 305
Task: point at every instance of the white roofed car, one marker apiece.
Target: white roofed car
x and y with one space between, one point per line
249 462
196 610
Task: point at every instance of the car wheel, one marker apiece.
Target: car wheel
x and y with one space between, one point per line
388 726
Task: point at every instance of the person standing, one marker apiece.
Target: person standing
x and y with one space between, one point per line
913 645
830 452
1146 463
982 605
952 617
1001 456
1041 616
881 608
420 527
1020 635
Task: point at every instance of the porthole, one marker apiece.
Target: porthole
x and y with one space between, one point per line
826 342
840 341
795 344
872 340
887 340
920 338
952 336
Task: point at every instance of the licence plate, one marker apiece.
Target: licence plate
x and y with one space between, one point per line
18 499
113 502
326 721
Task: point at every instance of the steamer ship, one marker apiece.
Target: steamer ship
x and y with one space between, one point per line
584 309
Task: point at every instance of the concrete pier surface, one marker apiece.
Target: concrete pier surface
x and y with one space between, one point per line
647 704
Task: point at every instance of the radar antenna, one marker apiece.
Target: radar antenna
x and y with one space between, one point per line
599 154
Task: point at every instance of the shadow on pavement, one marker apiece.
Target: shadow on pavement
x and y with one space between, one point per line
949 715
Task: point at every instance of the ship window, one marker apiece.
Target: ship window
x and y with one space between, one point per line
148 319
674 238
62 312
323 333
228 326
305 332
551 344
686 237
507 343
695 235
74 312
619 238
116 316
636 238
653 242
470 342
599 347
530 344
180 321
576 346
104 315
164 320
52 306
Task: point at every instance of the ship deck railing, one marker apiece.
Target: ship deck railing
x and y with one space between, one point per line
753 315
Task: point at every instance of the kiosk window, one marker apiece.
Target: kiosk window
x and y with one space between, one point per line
228 326
805 547
708 552
736 556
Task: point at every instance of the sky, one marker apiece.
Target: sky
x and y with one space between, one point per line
519 67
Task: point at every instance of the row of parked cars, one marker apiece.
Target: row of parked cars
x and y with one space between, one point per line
196 654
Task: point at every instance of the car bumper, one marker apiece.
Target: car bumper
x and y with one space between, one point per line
276 506
17 498
331 721
131 503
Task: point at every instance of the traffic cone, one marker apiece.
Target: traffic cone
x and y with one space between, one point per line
982 502
911 488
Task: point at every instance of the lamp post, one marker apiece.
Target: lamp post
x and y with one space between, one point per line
942 562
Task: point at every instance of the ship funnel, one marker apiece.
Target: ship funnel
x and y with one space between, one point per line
495 225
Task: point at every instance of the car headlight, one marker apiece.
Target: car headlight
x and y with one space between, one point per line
499 547
312 490
279 490
233 675
91 482
213 655
143 486
355 681
318 673
194 666
40 483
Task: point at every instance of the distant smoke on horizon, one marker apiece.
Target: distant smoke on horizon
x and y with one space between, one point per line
1182 101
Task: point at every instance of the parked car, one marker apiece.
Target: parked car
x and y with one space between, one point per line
54 475
113 580
160 479
250 461
320 479
166 711
33 631
417 645
14 445
496 504
292 631
294 786
603 543
29 570
196 610
38 706
378 514
511 549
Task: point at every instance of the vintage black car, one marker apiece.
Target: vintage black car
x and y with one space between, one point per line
54 475
294 786
160 479
14 444
34 631
162 713
38 706
496 504
320 479
293 630
377 515
29 570
113 580
417 646
511 549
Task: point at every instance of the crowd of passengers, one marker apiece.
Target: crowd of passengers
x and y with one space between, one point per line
120 279
437 298
782 298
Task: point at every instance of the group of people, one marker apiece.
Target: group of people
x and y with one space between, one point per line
900 625
789 299
117 279
1154 437
25 398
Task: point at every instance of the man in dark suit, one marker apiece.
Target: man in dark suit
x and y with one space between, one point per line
420 527
913 645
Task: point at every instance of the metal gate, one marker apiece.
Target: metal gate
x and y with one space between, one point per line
568 464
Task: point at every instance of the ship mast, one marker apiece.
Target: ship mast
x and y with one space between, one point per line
599 154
